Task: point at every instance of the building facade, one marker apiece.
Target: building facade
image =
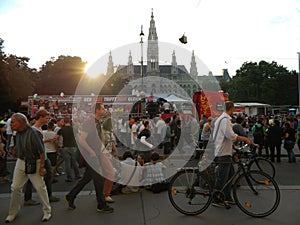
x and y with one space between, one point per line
171 78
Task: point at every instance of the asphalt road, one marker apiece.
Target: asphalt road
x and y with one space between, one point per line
146 208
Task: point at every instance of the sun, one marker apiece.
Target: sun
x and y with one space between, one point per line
89 72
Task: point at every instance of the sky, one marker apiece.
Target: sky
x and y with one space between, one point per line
222 33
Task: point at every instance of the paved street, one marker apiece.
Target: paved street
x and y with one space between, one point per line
146 208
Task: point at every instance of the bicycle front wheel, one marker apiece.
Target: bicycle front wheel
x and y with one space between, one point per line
263 165
190 192
256 199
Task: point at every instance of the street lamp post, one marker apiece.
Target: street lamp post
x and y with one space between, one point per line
141 42
112 88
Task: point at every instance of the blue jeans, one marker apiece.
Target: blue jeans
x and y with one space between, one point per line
224 173
68 154
291 155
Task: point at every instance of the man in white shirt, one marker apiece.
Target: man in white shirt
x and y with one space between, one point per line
131 174
224 137
159 125
10 137
134 131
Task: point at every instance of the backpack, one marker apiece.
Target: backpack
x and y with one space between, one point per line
258 134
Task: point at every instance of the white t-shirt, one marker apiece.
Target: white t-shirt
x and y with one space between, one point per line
159 125
49 146
8 127
224 135
127 168
134 128
60 139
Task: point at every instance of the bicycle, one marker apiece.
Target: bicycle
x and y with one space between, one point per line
255 162
255 192
260 163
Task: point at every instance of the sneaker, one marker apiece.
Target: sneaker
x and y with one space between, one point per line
218 204
46 217
109 199
70 202
230 201
31 202
53 199
106 209
10 218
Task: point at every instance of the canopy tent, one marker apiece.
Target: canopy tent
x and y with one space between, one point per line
174 98
252 108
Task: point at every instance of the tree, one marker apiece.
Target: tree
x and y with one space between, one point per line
115 84
2 81
17 80
263 82
60 75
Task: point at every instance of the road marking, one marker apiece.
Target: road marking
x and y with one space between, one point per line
86 193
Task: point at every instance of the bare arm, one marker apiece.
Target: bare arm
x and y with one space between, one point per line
245 139
115 150
42 170
84 144
143 140
207 128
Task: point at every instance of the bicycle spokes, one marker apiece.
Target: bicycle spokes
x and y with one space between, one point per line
189 192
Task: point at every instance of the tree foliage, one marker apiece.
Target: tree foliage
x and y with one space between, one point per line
263 82
17 79
60 75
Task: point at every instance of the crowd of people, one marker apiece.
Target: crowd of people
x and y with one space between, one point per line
44 143
270 132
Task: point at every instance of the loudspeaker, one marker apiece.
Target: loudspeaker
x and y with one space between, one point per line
183 39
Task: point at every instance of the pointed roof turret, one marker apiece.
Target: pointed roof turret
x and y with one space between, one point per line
130 68
193 70
152 29
226 75
130 59
174 69
152 49
110 65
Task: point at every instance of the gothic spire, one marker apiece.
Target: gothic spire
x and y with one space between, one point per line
130 70
152 29
193 70
110 65
152 49
174 69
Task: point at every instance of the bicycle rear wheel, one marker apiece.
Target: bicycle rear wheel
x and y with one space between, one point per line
262 164
256 199
190 192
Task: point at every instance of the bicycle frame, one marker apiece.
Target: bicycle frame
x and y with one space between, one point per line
242 169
